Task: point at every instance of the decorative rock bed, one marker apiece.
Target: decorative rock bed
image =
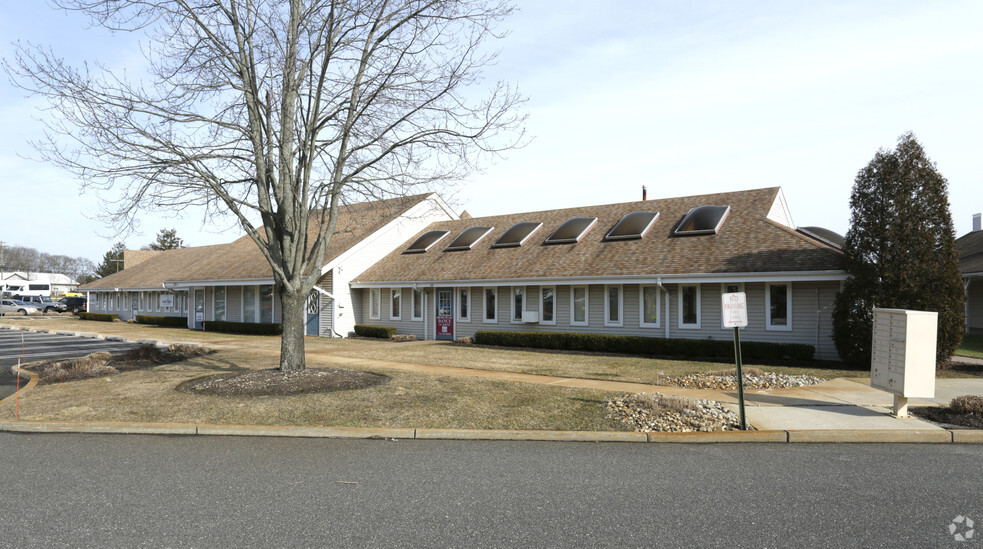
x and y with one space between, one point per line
651 413
764 380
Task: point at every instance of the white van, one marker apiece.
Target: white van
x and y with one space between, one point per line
26 288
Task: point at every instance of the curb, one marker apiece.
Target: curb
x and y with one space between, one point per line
396 433
33 379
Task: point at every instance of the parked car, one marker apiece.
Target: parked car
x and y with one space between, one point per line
8 306
43 302
75 305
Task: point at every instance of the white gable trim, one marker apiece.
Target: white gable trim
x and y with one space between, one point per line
779 212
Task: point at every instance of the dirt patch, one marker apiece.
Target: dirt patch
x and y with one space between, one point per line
282 383
105 364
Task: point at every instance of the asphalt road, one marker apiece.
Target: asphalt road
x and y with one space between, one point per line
17 346
142 491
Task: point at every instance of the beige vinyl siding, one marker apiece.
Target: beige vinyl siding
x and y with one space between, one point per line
209 304
326 318
233 305
975 305
812 306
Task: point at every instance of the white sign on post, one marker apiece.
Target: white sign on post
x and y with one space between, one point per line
735 309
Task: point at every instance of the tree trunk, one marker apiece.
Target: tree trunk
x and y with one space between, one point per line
294 313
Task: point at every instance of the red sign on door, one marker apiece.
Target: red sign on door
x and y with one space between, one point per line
445 326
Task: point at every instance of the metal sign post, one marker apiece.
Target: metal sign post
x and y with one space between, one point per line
734 307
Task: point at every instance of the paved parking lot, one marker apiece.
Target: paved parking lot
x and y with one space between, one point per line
16 345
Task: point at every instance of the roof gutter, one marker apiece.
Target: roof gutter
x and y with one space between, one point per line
691 278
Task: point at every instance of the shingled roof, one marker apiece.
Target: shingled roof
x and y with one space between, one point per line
970 247
242 260
748 242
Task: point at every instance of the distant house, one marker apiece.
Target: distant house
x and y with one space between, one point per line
44 284
234 282
652 268
970 248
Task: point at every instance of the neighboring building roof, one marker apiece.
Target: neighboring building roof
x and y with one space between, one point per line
50 278
970 248
242 259
751 239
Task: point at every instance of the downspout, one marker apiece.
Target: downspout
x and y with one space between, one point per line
665 290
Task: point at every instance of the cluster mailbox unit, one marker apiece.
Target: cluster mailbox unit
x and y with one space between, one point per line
903 355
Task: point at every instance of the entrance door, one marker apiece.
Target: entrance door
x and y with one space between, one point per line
445 314
199 308
314 313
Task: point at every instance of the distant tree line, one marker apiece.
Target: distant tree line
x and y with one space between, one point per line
19 258
112 261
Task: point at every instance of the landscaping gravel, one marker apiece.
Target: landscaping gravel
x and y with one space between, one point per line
654 413
763 381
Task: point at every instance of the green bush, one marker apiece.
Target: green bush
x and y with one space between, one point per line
637 345
179 321
251 328
102 317
381 332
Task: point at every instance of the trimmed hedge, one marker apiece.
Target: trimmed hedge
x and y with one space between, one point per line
102 317
637 345
179 321
381 332
242 327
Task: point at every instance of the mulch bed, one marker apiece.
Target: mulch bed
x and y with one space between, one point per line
104 364
945 417
282 383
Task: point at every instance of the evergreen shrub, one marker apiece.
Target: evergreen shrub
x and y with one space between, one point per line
638 345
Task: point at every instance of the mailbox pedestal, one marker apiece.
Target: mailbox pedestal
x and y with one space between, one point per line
903 355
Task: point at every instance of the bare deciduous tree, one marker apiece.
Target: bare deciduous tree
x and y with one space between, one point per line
281 109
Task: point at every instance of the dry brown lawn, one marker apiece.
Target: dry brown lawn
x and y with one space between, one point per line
408 400
565 364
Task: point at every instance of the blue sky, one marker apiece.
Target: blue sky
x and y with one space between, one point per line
683 97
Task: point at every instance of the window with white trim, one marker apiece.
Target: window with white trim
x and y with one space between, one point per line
218 302
396 298
417 304
778 306
266 304
491 305
464 304
689 306
547 305
649 310
250 306
579 306
613 306
729 288
375 296
518 303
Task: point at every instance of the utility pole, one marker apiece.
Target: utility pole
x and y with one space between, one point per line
3 285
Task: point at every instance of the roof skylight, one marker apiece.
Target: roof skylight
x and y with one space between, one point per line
703 220
830 237
425 242
467 239
572 230
633 226
517 235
